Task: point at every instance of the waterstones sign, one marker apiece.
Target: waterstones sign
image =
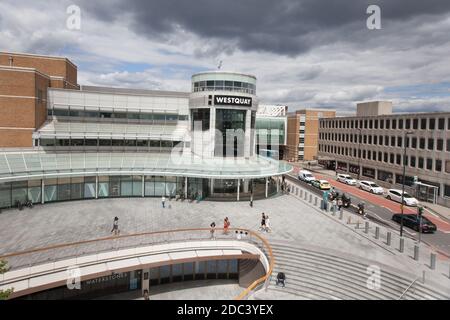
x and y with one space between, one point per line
232 100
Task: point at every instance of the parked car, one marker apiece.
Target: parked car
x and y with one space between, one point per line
321 184
346 178
306 176
396 195
370 186
412 221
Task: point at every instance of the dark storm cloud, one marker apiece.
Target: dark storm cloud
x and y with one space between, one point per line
285 27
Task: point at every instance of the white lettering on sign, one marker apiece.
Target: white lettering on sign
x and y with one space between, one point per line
233 100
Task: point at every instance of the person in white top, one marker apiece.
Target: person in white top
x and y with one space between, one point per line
268 228
163 201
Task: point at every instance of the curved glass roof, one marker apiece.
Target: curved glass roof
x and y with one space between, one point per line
40 164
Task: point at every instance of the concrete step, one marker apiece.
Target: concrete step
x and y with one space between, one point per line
393 284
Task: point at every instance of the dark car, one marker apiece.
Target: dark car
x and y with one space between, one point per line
412 221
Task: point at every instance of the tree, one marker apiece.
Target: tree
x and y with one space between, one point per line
4 268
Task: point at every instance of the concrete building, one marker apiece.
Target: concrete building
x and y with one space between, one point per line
302 133
97 142
24 80
370 146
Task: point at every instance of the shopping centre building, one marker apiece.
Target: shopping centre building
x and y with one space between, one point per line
371 145
62 141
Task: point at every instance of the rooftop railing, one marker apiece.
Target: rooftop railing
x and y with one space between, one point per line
63 251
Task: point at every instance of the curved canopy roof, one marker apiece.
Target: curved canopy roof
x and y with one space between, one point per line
38 164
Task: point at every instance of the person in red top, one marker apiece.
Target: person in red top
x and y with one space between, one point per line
226 225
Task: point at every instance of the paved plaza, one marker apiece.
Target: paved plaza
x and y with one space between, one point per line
290 219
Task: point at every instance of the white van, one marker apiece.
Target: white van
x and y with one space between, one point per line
306 176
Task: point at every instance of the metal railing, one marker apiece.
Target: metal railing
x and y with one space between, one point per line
59 252
409 287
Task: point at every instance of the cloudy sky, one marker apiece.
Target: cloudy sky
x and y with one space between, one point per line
305 53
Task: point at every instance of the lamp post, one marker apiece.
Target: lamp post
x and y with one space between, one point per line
359 152
402 205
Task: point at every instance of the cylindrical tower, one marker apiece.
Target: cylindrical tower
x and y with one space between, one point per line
223 109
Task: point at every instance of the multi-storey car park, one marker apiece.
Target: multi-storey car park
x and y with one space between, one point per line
97 142
372 144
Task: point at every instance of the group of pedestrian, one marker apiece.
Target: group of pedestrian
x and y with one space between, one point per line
265 224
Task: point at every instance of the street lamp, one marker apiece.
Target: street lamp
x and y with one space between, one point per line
359 152
403 180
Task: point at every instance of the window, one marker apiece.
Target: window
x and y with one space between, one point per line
423 124
399 142
446 190
394 124
429 164
422 143
391 158
385 158
441 123
392 141
415 124
408 124
439 144
420 163
381 123
448 145
412 162
438 165
430 144
398 159
200 119
388 123
400 124
432 124
414 142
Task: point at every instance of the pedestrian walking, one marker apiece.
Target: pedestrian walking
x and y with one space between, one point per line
115 228
268 228
146 296
163 201
334 204
340 203
226 225
263 222
212 230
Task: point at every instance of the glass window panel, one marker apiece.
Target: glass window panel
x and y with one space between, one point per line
200 269
5 195
114 186
177 272
188 271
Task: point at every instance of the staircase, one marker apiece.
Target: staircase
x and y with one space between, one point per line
318 275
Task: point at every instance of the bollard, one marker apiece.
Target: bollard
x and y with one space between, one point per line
301 193
306 196
423 276
310 198
296 192
402 245
388 238
366 227
349 220
433 261
416 252
377 232
357 225
315 201
341 215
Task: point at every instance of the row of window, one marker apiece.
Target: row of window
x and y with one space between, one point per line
94 142
116 115
386 157
400 124
221 85
388 141
78 188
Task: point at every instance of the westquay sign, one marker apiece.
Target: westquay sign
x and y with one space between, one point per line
232 100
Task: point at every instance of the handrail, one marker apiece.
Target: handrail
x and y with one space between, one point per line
245 293
406 290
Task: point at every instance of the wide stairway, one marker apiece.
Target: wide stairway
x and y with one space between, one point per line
317 275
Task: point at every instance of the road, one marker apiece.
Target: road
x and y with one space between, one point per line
380 209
